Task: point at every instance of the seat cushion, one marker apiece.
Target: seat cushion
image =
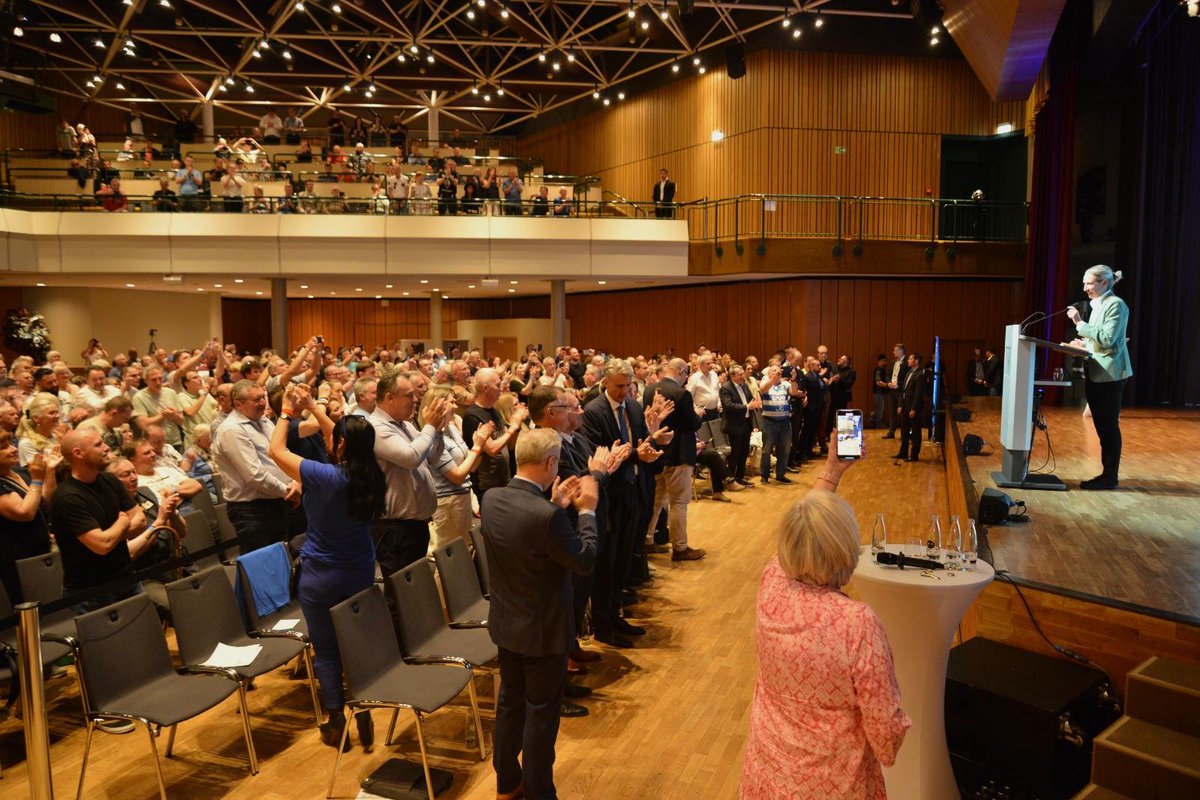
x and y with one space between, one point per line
274 654
425 688
475 645
478 612
173 698
290 611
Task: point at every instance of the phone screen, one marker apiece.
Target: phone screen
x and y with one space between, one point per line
849 433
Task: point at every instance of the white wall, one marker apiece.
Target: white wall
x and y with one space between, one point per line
122 319
526 331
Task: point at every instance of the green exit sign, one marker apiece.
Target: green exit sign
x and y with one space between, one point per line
840 150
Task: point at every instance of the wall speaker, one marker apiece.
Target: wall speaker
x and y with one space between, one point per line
735 61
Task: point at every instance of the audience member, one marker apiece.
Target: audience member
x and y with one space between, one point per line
673 487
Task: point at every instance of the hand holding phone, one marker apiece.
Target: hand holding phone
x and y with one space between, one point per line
849 434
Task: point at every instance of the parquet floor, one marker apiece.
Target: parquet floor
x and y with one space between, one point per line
1138 545
668 720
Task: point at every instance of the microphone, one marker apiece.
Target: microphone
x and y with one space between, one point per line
900 560
1043 318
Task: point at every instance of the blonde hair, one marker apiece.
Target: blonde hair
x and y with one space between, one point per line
436 391
819 540
536 446
1105 273
27 427
506 403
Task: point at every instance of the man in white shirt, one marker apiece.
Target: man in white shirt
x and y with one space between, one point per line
96 392
159 405
271 126
397 189
705 388
257 492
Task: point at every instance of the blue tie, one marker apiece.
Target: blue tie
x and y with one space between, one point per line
621 424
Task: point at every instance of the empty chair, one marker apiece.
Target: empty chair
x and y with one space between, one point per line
205 613
377 676
423 629
254 570
481 565
226 532
199 536
219 485
465 602
125 672
41 580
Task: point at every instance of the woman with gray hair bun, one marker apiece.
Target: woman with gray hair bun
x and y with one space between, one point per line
826 715
1103 335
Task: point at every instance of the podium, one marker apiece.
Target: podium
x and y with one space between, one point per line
1018 410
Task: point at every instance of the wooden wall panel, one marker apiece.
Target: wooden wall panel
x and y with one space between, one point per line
36 131
781 124
859 317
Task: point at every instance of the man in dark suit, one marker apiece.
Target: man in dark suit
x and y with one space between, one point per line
899 371
614 418
912 404
674 485
976 378
664 196
737 411
813 413
841 387
993 372
532 549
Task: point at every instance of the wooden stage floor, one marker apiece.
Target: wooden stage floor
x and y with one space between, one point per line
669 719
1137 547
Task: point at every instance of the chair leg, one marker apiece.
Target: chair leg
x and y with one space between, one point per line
87 748
337 759
312 682
424 756
245 710
391 727
475 717
171 740
162 789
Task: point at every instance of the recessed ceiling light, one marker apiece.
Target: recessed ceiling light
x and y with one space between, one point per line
333 292
218 286
703 70
602 283
378 297
41 284
470 286
404 293
424 281
358 290
445 297
129 286
512 291
436 289
387 286
304 286
238 280
645 24
258 293
514 283
310 297
200 289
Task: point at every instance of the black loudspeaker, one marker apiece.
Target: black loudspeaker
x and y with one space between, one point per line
961 414
735 61
972 445
994 506
1022 721
686 7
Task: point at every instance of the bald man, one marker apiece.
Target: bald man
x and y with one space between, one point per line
673 486
98 526
494 467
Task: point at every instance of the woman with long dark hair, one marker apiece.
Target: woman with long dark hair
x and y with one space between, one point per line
338 557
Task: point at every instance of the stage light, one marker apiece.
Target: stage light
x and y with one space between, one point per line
664 15
470 13
596 95
607 101
229 81
127 2
346 87
571 56
696 61
474 90
299 6
620 95
257 54
718 135
703 70
556 66
223 88
481 3
99 43
934 31
542 56
18 31
631 13
287 55
1193 8
500 91
165 3
264 45
933 41
249 87
504 12
430 58
336 8
796 33
412 48
98 79
487 97
675 67
819 22
120 86
787 22
56 38
645 25
400 57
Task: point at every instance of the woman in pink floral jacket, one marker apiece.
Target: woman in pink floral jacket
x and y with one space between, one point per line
826 712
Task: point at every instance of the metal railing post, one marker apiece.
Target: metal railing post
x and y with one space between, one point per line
33 690
737 235
762 230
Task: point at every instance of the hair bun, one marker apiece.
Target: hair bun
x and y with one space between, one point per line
1118 275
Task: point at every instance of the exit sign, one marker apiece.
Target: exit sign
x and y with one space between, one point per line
840 150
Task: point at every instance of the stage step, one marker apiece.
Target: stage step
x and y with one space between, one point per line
1094 792
1166 693
1146 761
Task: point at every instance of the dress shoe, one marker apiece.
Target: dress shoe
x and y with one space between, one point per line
764 480
629 629
332 728
658 548
688 554
366 728
575 691
1099 484
515 794
568 709
784 479
576 669
900 455
745 484
721 497
910 459
582 656
793 470
612 640
629 597
888 435
733 486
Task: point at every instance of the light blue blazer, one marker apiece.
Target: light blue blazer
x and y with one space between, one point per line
1104 335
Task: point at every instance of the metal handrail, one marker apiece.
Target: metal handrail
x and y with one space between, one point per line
638 212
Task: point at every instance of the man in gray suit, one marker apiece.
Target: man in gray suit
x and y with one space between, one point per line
532 549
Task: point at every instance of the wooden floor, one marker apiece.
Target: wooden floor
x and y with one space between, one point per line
1138 546
669 718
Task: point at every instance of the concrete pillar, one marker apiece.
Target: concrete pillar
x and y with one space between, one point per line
558 312
436 334
435 134
216 322
279 321
206 120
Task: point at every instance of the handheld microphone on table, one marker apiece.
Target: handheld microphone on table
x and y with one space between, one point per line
900 560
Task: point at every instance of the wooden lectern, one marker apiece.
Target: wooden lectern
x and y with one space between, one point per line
1018 411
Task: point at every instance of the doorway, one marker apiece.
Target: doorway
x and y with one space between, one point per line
502 347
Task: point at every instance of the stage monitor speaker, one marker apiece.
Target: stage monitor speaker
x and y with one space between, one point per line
973 446
1023 719
994 506
961 414
735 61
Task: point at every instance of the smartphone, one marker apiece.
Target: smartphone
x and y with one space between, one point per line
849 434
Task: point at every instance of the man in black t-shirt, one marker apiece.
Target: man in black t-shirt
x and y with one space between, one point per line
494 468
99 528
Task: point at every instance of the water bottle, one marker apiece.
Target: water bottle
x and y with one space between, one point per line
878 535
971 552
933 544
954 545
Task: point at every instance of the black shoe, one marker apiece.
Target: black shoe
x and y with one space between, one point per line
901 455
332 728
612 640
571 710
575 691
792 470
629 598
366 728
765 481
629 629
786 479
746 483
889 435
1100 484
913 458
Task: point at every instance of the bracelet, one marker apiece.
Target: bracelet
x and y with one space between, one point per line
824 476
285 416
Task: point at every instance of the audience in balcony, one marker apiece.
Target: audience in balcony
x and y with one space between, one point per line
420 194
231 189
293 126
513 188
398 133
447 182
111 198
541 203
126 152
79 172
68 140
305 154
562 204
271 126
336 128
164 197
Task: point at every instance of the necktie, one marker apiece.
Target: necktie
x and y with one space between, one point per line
622 425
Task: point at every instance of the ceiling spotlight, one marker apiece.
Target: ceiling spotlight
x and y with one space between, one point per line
429 57
487 97
470 13
400 57
571 56
631 12
412 48
229 81
481 3
717 135
664 15
596 95
819 21
787 22
933 40
512 291
56 38
474 90
287 55
264 44
346 87
703 70
249 87
696 61
165 3
620 95
387 286
424 281
127 2
500 91
98 79
257 53
675 67
645 25
304 286
120 86
299 5
98 43
130 285
223 88
934 31
336 8
556 66
91 85
606 102
796 33
504 12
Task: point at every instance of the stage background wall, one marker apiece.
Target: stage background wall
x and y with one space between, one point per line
781 124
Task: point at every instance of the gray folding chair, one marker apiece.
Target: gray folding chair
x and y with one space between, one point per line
203 502
125 672
264 625
205 614
199 536
464 598
226 532
481 563
41 580
219 485
377 676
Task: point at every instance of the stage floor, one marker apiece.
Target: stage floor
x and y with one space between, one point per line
1137 547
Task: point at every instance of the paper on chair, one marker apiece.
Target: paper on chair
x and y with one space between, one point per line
226 655
285 624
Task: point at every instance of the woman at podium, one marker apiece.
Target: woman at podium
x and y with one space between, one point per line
1103 335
